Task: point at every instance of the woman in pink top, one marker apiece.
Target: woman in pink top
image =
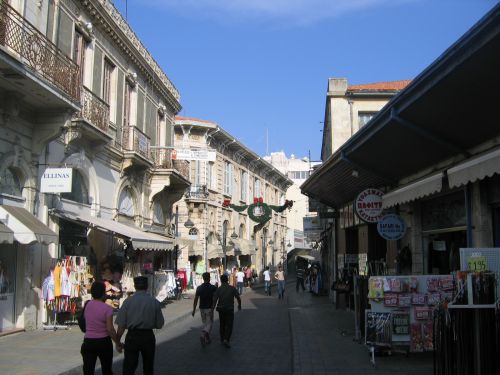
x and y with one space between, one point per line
99 332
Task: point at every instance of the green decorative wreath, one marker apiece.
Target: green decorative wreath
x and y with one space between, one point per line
266 212
266 209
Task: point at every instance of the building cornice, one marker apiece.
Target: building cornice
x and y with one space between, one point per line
109 19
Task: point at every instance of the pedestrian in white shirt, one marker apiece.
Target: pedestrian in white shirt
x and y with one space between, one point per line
240 280
267 281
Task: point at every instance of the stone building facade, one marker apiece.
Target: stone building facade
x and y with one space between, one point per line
78 90
222 168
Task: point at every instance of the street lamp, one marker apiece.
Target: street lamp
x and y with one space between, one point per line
189 224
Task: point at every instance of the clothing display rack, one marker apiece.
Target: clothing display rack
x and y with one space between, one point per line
64 289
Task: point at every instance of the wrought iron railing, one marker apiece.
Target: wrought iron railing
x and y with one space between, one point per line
197 192
136 141
42 56
94 110
162 158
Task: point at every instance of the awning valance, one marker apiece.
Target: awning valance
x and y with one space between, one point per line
474 169
25 227
140 240
415 190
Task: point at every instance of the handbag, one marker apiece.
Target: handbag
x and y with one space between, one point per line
81 319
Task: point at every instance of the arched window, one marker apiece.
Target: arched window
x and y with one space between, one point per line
79 191
158 217
126 202
10 182
225 227
241 231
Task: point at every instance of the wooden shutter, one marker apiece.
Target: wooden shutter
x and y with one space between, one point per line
96 84
65 33
140 110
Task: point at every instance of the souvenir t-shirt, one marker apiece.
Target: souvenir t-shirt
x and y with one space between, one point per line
96 313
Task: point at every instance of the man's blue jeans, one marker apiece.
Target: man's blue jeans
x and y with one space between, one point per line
267 287
239 286
281 288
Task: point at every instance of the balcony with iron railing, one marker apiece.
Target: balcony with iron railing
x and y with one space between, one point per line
136 147
91 123
197 192
162 159
20 39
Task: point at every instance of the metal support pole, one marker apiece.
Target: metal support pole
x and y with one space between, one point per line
176 248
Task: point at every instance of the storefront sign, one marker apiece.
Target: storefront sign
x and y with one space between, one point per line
368 205
56 180
391 227
188 154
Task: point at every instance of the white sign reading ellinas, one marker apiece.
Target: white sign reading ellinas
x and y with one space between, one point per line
188 154
368 205
56 180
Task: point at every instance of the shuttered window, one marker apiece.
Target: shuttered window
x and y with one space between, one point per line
65 33
97 70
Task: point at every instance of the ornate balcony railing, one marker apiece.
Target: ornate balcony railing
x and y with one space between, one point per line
37 52
94 110
136 141
197 192
162 158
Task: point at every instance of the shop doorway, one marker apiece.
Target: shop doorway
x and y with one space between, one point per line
8 262
443 251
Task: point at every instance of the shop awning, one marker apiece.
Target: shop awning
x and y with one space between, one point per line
307 257
6 235
214 251
474 169
26 228
415 190
140 240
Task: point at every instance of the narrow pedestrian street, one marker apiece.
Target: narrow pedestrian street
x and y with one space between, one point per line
302 334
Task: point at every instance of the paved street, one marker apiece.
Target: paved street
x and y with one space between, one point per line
300 335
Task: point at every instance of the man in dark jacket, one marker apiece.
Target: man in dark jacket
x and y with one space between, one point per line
224 302
205 294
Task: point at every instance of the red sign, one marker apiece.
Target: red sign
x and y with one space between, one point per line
368 205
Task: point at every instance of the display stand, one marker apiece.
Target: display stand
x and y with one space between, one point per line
406 302
477 331
54 326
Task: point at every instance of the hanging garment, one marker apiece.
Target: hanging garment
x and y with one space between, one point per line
57 279
48 288
65 282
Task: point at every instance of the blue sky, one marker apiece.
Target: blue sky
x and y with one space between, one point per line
259 68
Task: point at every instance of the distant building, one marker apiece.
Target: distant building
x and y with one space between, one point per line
299 218
349 108
222 168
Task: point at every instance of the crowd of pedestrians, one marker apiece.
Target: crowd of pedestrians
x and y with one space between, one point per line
141 313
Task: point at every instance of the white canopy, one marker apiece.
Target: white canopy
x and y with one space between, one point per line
25 228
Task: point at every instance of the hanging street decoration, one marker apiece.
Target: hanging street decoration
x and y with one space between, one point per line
258 211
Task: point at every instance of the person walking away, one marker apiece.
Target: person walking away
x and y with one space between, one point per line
99 332
139 315
223 301
248 276
267 281
240 279
280 276
205 294
299 274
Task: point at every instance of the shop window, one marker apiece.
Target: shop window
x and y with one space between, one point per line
10 182
126 203
158 217
79 191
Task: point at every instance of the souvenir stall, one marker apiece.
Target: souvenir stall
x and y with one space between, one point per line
65 289
467 330
401 311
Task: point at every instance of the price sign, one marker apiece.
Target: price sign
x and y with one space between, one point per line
477 263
